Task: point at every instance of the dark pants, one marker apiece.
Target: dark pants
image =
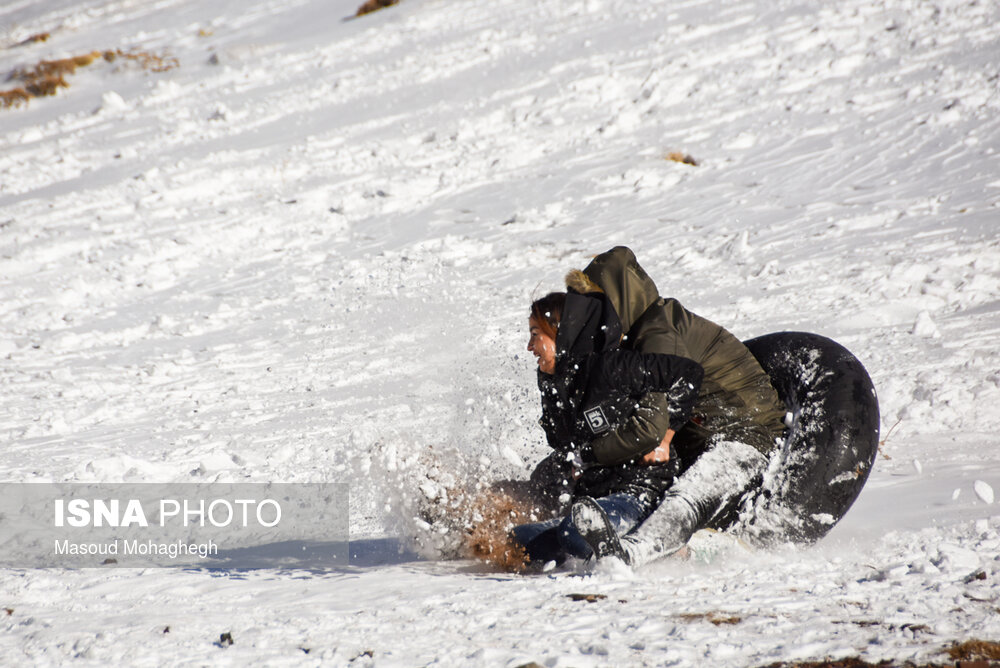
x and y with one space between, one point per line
555 539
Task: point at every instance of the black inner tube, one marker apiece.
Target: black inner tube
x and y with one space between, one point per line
832 439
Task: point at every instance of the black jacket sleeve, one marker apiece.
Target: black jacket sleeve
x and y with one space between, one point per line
669 385
639 435
640 373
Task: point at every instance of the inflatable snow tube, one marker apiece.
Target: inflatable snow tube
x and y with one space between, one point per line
832 438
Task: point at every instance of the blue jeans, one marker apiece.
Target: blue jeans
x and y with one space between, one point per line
555 539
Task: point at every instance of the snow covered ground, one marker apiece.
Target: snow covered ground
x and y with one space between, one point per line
306 253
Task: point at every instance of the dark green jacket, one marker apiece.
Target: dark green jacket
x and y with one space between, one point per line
736 400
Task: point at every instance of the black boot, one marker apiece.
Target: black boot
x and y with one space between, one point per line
595 528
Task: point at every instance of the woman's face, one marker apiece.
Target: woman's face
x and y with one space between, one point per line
543 347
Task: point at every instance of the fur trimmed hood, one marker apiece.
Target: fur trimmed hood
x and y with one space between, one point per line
579 282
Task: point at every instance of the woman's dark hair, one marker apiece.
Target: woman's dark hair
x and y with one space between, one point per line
547 312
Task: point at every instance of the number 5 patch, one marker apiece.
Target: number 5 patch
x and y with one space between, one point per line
596 420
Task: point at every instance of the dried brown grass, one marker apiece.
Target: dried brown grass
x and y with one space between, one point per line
374 5
850 662
54 68
968 654
857 662
150 62
716 618
47 77
975 650
683 158
589 598
48 85
14 98
37 37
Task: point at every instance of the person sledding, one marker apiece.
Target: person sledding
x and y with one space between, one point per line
718 455
588 386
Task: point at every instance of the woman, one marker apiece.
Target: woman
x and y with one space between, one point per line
737 423
590 387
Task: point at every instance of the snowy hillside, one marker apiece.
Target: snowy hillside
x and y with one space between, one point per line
305 254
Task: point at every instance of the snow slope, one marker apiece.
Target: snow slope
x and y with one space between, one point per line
306 254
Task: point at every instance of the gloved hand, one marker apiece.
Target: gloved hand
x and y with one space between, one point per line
576 465
554 479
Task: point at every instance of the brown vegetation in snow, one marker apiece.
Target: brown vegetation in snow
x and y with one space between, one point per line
38 37
48 76
975 650
683 158
375 5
